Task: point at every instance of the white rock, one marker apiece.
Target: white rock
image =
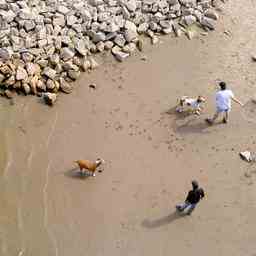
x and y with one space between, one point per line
108 45
32 68
63 9
130 35
143 28
21 73
71 19
131 5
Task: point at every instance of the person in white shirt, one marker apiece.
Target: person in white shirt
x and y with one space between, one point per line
223 103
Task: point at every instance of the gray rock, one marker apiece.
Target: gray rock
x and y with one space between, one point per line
99 36
66 53
10 81
29 25
54 59
42 63
9 94
50 85
120 40
49 72
65 86
86 65
189 20
21 73
81 47
26 88
121 56
74 75
7 16
100 46
165 24
176 29
49 98
129 48
2 77
17 85
208 23
41 85
5 54
93 63
212 14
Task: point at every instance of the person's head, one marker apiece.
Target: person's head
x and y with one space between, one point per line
195 184
200 99
223 86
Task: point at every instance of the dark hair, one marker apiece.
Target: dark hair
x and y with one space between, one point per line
223 85
195 184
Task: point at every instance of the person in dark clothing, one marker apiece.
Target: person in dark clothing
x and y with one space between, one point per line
193 198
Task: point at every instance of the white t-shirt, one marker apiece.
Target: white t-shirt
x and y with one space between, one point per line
223 99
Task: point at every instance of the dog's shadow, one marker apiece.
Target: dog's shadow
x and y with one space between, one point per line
75 173
178 115
163 221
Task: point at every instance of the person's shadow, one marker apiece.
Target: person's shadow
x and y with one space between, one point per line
164 220
185 122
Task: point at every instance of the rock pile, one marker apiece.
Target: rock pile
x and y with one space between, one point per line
45 44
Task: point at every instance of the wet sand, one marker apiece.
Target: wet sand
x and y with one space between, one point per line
151 155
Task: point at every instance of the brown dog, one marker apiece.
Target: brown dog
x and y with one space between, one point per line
86 165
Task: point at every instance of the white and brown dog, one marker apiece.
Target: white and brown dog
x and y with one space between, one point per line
192 105
88 167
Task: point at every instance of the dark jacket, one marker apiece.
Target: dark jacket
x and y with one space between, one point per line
195 195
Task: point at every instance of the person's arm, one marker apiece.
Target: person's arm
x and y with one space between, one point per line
188 197
237 101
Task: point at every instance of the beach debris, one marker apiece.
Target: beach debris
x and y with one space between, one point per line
254 57
92 86
45 45
248 156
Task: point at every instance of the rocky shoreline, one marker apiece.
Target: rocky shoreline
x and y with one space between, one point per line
45 45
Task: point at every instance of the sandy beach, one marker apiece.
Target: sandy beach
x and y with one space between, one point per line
151 155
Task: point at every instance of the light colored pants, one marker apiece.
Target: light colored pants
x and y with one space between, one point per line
186 205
